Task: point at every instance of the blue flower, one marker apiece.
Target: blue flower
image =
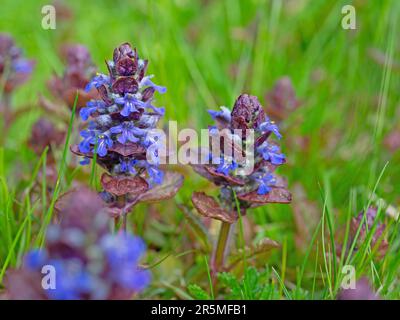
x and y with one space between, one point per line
128 166
123 252
72 280
225 166
153 137
84 161
225 114
130 103
160 111
264 183
97 81
153 142
270 126
146 82
156 175
128 132
213 130
35 259
271 153
23 66
152 156
89 138
122 248
103 143
91 107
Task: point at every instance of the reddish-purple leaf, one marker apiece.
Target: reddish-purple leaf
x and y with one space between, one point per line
116 210
125 85
171 184
126 67
128 149
247 112
210 208
103 92
124 50
224 178
276 195
122 185
148 93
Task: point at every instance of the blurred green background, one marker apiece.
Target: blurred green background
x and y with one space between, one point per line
208 52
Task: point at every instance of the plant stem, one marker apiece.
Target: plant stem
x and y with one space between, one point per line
122 203
124 215
220 250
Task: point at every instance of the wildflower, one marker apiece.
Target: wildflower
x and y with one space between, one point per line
14 69
270 126
225 166
367 223
156 175
146 82
84 161
128 132
282 100
122 253
247 114
128 166
104 142
78 71
224 114
130 104
89 138
122 125
265 182
237 190
45 134
271 153
89 261
91 107
97 81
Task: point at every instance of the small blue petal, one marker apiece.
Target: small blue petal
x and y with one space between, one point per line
35 259
146 82
84 161
97 82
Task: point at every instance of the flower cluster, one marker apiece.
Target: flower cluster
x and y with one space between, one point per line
259 187
282 99
366 225
88 261
79 69
14 69
45 134
365 229
121 130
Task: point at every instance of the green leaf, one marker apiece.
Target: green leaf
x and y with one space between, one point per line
197 292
